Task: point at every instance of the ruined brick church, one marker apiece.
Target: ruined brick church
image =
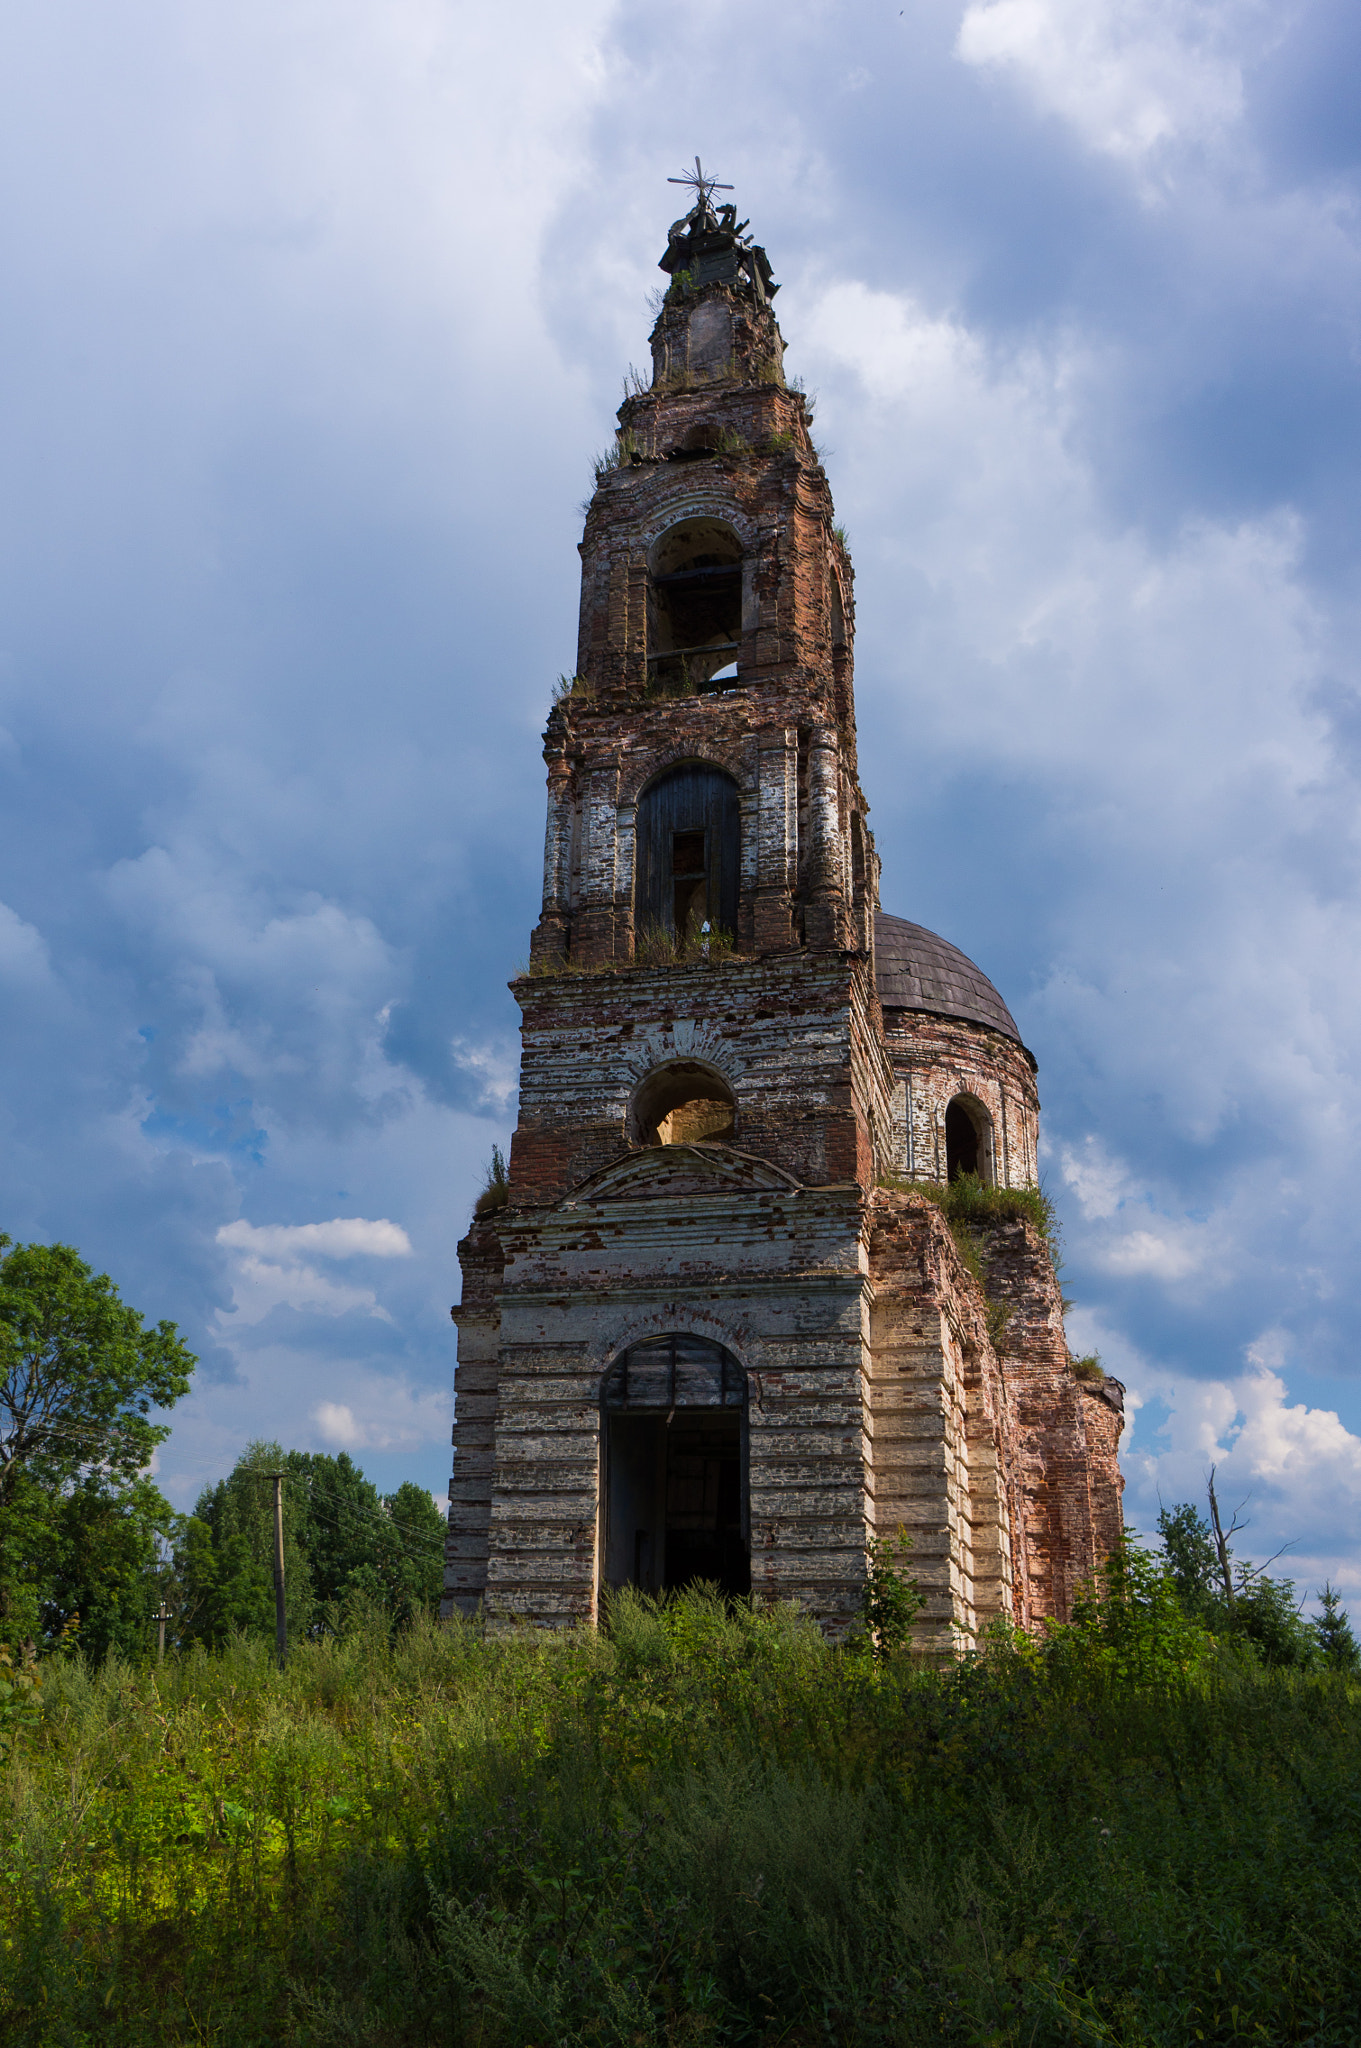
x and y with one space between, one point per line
710 1328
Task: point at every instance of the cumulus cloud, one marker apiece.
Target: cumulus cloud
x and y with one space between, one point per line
1294 1468
23 952
337 1425
344 1237
271 1272
494 1071
1129 75
392 1416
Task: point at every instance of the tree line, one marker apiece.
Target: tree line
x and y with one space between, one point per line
92 1553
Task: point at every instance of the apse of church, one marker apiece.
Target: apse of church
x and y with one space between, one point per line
715 1331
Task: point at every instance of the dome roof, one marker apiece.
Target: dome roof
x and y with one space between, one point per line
917 971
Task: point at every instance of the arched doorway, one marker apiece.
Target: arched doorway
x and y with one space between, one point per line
688 843
674 1467
968 1139
695 604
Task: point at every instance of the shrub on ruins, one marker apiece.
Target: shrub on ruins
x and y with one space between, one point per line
891 1599
81 1524
969 1203
495 1188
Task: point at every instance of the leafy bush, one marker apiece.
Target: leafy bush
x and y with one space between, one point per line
892 1599
1129 1626
20 1698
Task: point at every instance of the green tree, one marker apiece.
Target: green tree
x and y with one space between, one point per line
1131 1621
1232 1598
225 1559
1192 1562
1338 1646
81 1525
343 1542
362 1544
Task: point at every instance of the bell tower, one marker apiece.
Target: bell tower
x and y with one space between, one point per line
686 1315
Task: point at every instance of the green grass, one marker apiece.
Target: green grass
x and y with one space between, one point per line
707 1827
969 1201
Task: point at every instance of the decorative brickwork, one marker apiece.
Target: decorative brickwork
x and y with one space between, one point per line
732 1064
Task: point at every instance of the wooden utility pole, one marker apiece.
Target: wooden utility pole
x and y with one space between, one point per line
162 1618
280 1611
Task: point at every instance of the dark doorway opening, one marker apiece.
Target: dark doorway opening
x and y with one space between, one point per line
689 882
675 1468
688 851
961 1141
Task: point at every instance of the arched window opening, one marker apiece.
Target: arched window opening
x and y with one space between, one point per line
688 835
675 1467
695 604
682 1103
968 1139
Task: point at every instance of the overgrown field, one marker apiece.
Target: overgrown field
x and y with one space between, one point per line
701 1828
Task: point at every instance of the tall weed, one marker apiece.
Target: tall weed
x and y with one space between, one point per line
701 1824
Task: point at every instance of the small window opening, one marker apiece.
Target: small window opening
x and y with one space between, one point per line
683 1103
967 1140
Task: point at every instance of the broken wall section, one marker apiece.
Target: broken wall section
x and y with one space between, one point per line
1065 1432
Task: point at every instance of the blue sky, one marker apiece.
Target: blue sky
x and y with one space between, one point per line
314 318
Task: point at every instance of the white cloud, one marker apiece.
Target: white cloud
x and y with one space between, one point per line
1163 1254
1129 75
270 1273
392 1415
1100 1183
337 1424
260 1285
23 951
344 1237
495 1072
1294 1469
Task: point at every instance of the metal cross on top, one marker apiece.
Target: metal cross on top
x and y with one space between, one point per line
698 183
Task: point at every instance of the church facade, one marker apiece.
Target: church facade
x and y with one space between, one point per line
713 1325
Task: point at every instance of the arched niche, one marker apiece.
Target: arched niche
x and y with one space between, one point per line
674 1467
688 836
682 1103
968 1139
694 603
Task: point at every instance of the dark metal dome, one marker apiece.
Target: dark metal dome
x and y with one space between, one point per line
917 971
